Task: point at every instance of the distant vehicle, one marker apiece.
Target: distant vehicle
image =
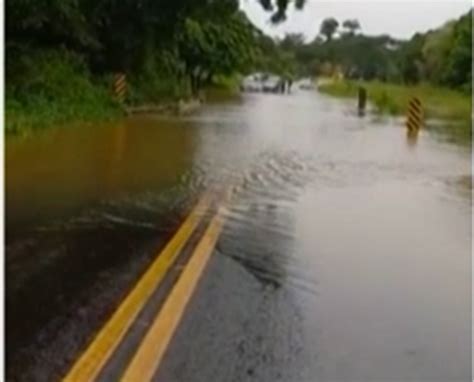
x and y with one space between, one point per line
271 84
251 84
261 82
306 84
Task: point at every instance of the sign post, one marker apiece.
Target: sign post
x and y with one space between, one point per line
120 87
362 100
415 116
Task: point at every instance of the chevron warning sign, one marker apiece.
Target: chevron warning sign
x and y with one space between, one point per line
415 115
120 87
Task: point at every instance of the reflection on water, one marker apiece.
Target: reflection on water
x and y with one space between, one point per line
393 264
86 208
458 132
412 137
367 226
62 170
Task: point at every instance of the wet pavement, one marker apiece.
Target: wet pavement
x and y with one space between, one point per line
345 256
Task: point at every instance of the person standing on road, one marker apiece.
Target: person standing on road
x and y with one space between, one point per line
282 85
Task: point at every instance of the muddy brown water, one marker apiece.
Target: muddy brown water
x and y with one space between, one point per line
368 229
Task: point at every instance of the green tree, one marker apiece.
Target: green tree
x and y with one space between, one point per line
220 46
459 61
436 49
410 59
162 46
292 41
329 27
351 26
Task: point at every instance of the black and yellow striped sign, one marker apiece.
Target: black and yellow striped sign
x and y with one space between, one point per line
120 86
415 115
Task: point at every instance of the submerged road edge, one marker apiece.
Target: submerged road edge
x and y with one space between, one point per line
91 362
148 357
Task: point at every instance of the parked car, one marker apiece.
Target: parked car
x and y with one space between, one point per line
271 84
261 82
250 84
306 84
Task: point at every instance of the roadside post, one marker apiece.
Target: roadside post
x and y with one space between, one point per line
415 116
362 100
120 87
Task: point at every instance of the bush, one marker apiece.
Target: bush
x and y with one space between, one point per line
155 88
386 103
52 87
452 106
160 79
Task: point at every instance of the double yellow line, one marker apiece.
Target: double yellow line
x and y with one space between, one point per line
150 352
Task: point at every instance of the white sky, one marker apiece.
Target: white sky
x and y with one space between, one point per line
400 18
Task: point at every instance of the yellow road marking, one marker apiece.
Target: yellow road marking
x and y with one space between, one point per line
148 357
88 366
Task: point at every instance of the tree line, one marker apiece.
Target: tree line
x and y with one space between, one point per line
441 56
192 38
61 54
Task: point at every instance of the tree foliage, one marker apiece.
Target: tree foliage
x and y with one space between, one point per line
442 56
271 57
351 26
459 61
216 47
292 41
166 38
329 27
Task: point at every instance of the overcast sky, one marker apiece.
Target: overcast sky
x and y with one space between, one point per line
399 18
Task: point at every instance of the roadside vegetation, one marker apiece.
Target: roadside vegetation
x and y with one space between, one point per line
50 87
61 56
393 99
451 107
441 57
436 66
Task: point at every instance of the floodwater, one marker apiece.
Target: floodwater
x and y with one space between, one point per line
367 230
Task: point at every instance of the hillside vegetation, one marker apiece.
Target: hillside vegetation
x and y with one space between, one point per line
440 57
61 56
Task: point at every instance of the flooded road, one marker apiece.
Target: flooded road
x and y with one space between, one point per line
345 256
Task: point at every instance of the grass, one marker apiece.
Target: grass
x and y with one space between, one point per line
39 112
452 107
230 83
439 103
223 87
51 88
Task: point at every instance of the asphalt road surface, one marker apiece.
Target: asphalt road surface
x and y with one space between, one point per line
343 254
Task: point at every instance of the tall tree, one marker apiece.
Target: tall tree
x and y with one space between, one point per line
410 59
351 26
459 61
435 51
329 27
221 45
292 41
